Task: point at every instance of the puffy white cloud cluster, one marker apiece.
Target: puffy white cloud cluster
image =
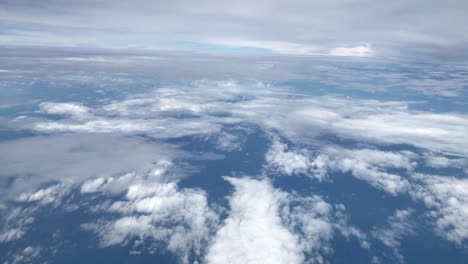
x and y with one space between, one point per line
160 171
267 225
447 197
399 226
70 109
294 162
155 208
16 223
44 196
365 164
254 232
312 218
371 165
440 161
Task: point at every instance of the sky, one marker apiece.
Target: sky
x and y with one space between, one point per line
415 29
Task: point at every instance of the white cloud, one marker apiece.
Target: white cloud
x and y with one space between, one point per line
16 223
274 46
108 164
400 226
364 164
357 51
11 234
313 224
267 225
74 158
440 161
119 24
93 185
228 142
370 165
160 171
447 198
253 232
28 254
208 106
294 162
45 196
178 219
72 109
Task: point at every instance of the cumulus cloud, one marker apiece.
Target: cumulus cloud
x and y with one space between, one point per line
71 109
380 122
253 232
399 226
44 196
16 223
294 162
447 198
312 220
160 171
179 219
371 165
267 225
365 164
439 161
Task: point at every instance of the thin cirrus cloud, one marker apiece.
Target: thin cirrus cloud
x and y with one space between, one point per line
414 29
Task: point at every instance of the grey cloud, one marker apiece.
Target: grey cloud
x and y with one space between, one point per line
415 28
72 159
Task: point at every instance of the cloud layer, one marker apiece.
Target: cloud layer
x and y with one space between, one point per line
349 28
124 162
